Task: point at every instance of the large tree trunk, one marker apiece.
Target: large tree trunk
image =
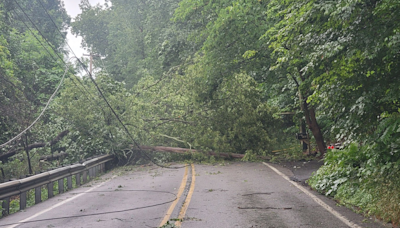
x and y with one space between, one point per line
309 114
185 150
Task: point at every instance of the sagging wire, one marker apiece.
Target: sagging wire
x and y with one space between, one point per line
62 60
102 213
141 152
40 115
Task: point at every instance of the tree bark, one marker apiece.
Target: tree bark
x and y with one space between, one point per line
309 114
303 130
184 150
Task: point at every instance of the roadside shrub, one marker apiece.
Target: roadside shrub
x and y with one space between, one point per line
363 177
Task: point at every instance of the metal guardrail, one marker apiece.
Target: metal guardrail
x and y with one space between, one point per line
20 187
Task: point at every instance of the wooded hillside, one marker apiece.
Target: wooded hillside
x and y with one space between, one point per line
213 76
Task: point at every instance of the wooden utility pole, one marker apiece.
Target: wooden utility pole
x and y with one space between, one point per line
91 61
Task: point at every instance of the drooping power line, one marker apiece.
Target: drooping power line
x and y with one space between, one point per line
41 114
143 153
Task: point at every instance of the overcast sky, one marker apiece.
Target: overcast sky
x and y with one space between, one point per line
72 7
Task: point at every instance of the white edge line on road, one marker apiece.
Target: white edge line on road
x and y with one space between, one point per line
316 199
59 204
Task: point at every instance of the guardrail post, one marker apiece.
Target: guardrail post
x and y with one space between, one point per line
84 177
91 173
78 179
61 186
22 200
50 192
38 194
69 182
107 165
24 186
6 206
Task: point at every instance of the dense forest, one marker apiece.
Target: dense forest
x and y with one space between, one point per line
239 76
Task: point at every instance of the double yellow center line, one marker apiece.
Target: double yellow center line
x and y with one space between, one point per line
187 200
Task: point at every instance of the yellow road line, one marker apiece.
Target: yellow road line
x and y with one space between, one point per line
187 201
180 191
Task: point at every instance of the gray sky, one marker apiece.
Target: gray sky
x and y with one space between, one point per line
72 7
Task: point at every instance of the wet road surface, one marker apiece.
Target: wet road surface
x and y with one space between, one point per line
232 195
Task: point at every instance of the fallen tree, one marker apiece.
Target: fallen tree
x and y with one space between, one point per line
12 152
185 151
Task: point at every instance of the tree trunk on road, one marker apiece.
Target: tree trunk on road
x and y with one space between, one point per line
184 150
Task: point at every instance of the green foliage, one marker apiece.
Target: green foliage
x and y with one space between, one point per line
28 76
14 18
17 166
168 225
235 121
361 177
136 37
221 75
290 152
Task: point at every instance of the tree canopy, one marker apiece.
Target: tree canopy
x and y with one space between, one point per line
238 76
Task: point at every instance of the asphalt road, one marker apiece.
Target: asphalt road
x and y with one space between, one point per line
233 195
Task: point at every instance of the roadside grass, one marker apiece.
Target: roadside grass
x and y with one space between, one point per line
363 180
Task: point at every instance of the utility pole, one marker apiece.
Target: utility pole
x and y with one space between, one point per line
91 61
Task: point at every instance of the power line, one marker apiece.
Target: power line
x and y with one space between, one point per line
40 42
99 90
103 213
66 70
122 124
55 25
85 89
66 42
40 115
26 15
104 98
55 60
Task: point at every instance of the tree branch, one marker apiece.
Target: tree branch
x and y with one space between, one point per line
12 152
